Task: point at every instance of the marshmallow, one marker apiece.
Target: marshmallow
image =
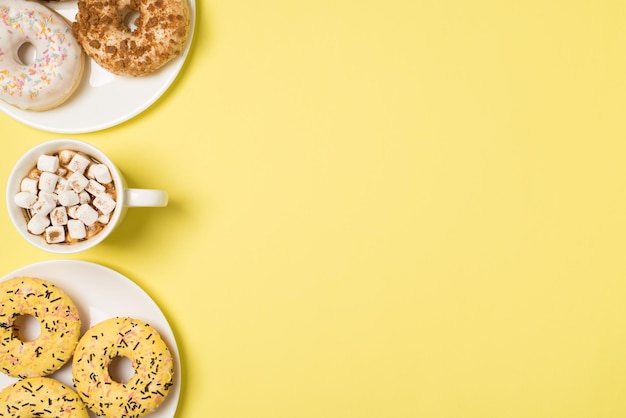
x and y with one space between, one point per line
101 173
104 203
29 185
48 163
62 172
71 211
48 181
76 229
25 200
84 197
94 188
38 224
44 205
65 156
55 234
48 195
87 214
68 198
79 163
77 182
58 216
62 185
104 219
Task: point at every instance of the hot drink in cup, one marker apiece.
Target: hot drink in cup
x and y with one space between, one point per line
67 197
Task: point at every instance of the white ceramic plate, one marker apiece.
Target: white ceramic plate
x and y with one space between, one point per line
102 99
101 293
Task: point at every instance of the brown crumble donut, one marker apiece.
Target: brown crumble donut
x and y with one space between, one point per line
161 32
41 397
59 327
152 363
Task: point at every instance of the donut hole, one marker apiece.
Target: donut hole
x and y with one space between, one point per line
26 53
121 369
26 327
129 17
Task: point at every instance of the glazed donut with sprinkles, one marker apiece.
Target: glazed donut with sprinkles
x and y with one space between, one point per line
59 327
151 359
56 69
41 397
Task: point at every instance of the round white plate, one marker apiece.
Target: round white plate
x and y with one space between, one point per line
101 293
102 99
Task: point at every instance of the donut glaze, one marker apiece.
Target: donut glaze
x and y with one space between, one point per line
151 359
59 327
160 33
41 397
56 70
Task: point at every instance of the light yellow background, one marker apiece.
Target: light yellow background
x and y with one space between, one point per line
383 209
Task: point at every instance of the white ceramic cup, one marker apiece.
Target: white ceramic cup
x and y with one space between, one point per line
126 197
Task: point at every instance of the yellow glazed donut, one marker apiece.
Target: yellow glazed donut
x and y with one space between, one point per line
161 32
151 359
56 70
59 327
41 397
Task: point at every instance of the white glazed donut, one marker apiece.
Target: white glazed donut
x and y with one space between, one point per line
57 68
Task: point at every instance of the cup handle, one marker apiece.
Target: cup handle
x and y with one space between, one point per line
145 198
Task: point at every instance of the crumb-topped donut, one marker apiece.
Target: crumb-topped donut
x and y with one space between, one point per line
59 327
41 397
151 359
160 33
56 69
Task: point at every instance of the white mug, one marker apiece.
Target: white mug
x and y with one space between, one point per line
125 197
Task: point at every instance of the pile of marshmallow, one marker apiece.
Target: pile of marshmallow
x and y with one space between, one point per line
68 197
